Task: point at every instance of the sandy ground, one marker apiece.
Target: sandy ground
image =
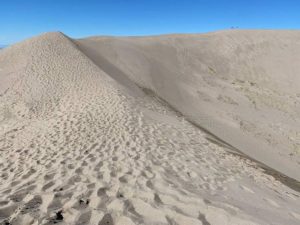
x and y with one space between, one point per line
242 86
89 137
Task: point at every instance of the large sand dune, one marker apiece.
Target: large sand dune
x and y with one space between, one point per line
151 130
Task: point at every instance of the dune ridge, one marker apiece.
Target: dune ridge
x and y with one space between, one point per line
84 138
257 110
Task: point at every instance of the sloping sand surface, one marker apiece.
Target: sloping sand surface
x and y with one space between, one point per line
242 86
106 130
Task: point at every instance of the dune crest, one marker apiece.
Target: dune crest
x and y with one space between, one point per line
241 86
89 134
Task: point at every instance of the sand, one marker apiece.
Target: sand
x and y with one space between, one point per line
125 131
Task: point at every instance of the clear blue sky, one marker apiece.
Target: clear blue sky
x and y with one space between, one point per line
20 19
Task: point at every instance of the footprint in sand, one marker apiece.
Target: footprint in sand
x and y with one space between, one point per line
106 220
84 218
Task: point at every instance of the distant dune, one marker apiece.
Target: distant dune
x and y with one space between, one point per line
170 129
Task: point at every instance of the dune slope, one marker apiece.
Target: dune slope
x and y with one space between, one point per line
88 135
242 86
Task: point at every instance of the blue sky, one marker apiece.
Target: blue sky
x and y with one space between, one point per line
20 19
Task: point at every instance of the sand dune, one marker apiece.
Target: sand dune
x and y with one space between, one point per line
151 130
242 86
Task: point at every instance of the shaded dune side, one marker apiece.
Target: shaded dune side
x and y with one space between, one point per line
220 81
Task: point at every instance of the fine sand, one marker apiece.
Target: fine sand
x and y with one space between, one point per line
165 130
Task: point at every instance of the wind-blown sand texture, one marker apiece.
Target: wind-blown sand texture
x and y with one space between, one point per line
153 130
